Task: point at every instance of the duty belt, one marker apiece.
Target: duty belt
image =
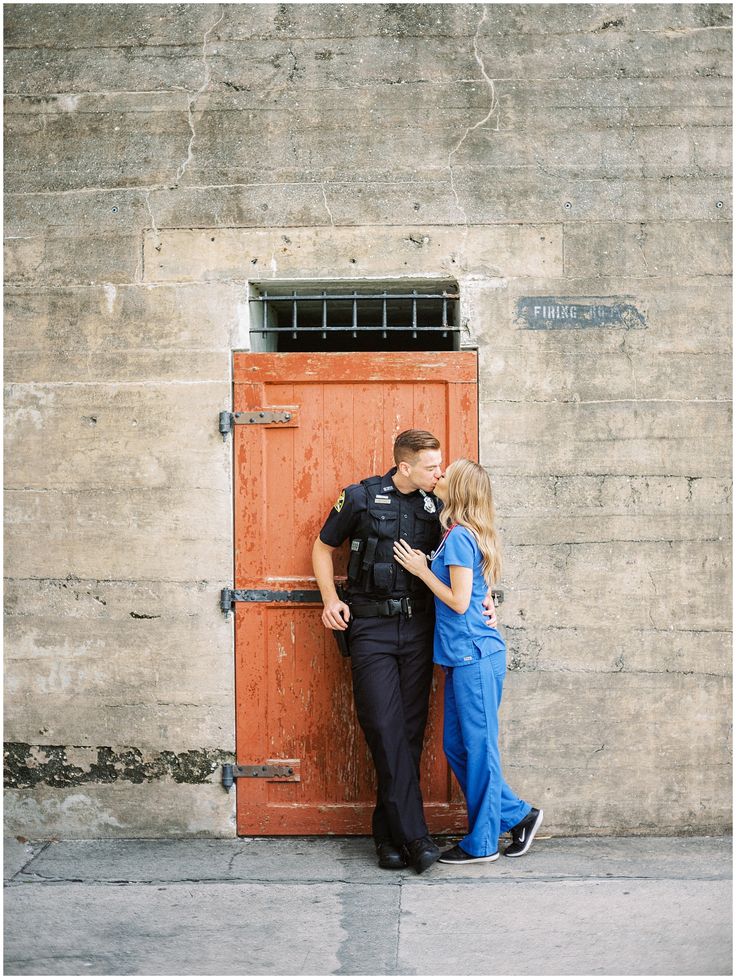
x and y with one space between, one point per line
385 609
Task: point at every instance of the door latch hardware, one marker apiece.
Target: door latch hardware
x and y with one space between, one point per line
273 770
287 417
229 596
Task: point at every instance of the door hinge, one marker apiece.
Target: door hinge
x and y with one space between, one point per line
286 417
272 770
226 424
229 596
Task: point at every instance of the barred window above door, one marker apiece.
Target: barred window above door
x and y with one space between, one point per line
415 315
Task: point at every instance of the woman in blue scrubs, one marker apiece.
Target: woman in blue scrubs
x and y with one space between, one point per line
466 564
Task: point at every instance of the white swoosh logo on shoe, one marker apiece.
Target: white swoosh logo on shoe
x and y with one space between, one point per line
522 836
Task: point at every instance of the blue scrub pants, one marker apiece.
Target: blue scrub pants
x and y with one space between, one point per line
472 698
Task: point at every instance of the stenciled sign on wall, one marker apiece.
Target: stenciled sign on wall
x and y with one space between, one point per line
565 313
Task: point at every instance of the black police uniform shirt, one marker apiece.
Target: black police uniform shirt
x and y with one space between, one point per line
382 501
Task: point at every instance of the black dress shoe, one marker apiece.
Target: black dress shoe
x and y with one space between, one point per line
390 857
423 853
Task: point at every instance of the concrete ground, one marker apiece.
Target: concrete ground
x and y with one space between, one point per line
311 906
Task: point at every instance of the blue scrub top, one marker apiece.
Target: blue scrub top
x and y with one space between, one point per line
462 639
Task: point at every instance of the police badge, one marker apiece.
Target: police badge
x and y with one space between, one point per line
429 503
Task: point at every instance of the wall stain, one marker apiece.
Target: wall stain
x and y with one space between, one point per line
28 765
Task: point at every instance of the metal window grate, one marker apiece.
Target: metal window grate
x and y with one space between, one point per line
386 312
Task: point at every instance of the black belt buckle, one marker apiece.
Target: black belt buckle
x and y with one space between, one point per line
393 606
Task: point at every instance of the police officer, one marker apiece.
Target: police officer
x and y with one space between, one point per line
389 615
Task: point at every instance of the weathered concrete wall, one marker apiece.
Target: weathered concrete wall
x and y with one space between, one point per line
157 157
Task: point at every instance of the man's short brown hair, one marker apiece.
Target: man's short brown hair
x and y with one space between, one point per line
412 441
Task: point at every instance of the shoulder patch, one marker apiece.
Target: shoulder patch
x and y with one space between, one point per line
340 501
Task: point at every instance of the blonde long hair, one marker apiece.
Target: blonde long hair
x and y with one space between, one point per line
470 503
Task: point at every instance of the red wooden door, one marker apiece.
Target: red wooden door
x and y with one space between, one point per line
293 689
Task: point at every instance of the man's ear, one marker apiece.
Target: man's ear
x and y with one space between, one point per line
404 468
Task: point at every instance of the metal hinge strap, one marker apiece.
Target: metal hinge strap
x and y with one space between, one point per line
261 417
279 770
267 416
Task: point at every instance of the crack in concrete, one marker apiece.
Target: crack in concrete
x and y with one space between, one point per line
495 107
457 36
139 271
566 628
656 592
113 384
22 870
606 401
294 70
450 881
625 352
233 858
192 100
63 582
641 240
568 671
571 878
619 540
690 481
397 948
30 880
327 207
154 226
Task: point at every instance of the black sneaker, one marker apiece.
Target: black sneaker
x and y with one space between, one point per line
522 835
457 855
422 853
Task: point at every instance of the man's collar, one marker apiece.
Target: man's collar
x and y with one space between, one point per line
387 483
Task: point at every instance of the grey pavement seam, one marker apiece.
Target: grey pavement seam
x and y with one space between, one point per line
42 881
43 849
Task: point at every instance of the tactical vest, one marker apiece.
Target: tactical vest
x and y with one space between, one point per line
372 569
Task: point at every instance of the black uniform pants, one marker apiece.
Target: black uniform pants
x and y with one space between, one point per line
392 677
